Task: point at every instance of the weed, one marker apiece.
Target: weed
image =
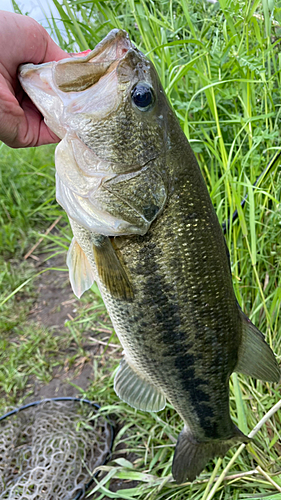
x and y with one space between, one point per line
220 66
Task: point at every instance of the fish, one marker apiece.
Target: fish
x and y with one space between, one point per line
144 228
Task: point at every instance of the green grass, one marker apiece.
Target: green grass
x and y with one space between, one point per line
27 208
220 65
25 178
24 354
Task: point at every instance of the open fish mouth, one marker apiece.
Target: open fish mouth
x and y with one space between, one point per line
89 68
51 85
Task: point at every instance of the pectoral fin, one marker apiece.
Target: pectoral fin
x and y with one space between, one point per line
81 274
137 391
255 358
111 272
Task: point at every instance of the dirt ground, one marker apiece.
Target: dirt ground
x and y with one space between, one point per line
54 305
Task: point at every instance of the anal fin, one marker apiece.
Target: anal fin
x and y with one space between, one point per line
81 274
255 357
137 391
110 270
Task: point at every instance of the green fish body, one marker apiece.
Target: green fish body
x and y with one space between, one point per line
145 229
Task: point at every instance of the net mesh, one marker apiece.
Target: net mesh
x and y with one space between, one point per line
50 451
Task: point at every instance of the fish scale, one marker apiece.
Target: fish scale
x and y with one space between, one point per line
157 300
145 229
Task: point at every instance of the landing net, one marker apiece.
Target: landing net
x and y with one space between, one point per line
50 450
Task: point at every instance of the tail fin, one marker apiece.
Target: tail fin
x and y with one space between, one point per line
191 456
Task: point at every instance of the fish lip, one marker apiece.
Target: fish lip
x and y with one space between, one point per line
113 47
116 38
25 68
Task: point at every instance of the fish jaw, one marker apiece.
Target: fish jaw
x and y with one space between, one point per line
57 88
36 80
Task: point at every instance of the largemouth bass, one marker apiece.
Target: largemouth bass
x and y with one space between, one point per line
145 229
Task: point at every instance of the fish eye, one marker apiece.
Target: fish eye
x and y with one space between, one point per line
142 96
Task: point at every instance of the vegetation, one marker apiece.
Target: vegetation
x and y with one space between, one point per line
220 65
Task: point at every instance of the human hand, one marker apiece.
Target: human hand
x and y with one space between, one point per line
22 40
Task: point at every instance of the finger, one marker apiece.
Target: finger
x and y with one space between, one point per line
31 42
24 125
32 130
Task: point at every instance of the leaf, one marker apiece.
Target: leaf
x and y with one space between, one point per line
124 463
